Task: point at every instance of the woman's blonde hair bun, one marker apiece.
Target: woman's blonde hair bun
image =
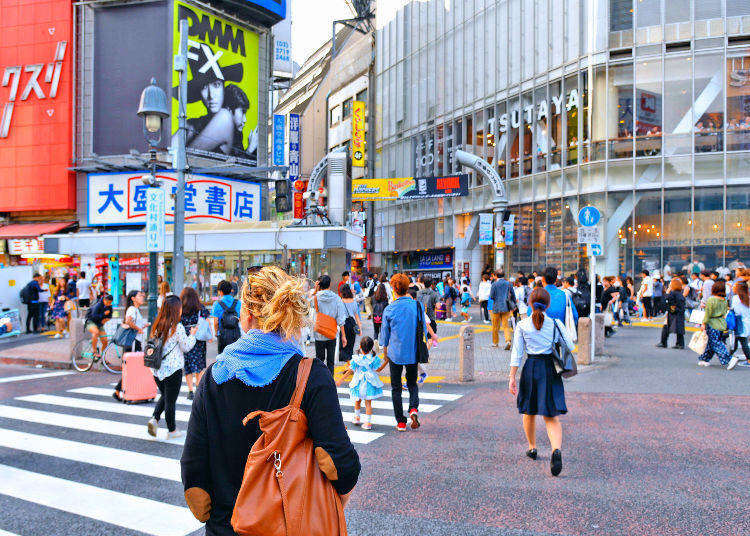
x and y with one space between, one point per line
277 300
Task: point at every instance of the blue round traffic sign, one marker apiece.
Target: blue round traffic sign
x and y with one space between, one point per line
589 216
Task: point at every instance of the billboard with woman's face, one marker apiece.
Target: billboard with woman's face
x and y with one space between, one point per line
222 95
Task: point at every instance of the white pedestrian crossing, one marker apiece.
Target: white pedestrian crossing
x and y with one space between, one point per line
120 509
6 533
41 375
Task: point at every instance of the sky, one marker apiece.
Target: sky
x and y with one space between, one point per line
311 24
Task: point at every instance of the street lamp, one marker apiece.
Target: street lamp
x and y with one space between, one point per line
153 110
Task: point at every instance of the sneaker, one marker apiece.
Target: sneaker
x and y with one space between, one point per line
507 346
175 434
153 426
57 336
485 321
744 364
190 395
531 453
661 345
469 319
704 364
422 377
678 347
366 426
401 427
733 362
357 420
493 346
414 416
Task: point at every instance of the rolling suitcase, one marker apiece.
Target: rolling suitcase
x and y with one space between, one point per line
138 383
440 311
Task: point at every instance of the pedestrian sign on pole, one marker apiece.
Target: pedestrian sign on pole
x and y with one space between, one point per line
155 219
589 235
589 216
594 250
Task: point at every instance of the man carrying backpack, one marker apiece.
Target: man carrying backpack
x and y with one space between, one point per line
226 314
30 298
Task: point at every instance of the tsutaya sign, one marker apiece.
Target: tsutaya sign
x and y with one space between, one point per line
12 77
515 117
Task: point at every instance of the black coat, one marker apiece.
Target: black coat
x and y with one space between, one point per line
676 312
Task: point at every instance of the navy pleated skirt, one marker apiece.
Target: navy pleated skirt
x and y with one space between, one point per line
540 391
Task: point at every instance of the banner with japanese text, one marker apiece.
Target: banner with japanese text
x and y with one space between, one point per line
358 134
120 198
410 188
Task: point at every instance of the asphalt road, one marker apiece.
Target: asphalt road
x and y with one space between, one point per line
652 445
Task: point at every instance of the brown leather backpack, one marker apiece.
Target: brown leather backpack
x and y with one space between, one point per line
325 324
284 492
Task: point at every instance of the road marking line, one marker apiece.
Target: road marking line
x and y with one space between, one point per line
8 379
383 420
97 405
124 460
422 395
6 533
121 509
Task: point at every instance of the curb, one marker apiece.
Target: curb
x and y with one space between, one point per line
44 363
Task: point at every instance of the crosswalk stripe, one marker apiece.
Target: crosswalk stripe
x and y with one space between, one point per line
6 533
422 395
124 460
383 420
377 404
140 411
8 379
120 509
88 424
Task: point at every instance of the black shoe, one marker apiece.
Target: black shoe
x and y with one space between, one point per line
678 347
190 395
661 345
555 464
116 396
531 453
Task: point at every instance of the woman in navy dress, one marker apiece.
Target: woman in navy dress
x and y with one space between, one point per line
540 390
195 359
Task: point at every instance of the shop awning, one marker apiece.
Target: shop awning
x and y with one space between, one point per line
33 230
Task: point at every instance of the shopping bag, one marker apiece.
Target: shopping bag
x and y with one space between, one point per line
570 323
205 331
697 316
698 342
609 318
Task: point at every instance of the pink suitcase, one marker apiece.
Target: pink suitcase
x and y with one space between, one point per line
138 383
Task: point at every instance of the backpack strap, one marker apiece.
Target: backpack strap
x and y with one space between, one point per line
223 306
303 373
316 303
234 303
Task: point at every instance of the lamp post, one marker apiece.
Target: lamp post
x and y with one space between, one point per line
153 110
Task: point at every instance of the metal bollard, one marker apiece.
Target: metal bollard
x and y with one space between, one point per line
466 354
76 331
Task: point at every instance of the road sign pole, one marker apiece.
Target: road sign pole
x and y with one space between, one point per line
592 312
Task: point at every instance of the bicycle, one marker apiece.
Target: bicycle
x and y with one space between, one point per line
84 357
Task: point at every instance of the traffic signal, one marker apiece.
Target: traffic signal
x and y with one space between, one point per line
283 198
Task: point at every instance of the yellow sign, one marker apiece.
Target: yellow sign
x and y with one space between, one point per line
382 189
222 95
358 134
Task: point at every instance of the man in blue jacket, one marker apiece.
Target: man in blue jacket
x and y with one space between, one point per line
558 300
503 304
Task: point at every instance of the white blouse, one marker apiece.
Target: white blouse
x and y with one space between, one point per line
174 352
743 311
527 339
137 318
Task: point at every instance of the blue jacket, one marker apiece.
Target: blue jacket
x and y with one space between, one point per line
557 300
399 331
500 291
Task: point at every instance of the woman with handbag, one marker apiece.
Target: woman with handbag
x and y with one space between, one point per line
259 373
714 325
194 314
540 391
134 321
352 324
168 377
675 322
741 309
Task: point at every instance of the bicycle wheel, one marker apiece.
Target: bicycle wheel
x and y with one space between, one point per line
82 355
112 358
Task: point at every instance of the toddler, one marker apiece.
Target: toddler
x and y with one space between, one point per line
365 383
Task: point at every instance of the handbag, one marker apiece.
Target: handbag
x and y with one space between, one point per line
422 353
283 490
124 336
570 323
205 331
698 342
731 320
325 324
562 358
609 318
697 316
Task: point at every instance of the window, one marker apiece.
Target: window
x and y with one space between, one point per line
676 228
335 114
528 120
678 105
571 106
362 95
736 8
708 227
540 129
648 106
738 102
620 117
649 13
737 221
709 99
346 108
596 97
555 105
620 15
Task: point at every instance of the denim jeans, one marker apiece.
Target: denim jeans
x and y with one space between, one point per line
411 384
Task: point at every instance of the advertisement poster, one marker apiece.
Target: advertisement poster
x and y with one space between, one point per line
509 226
358 134
410 188
485 229
120 199
222 97
441 260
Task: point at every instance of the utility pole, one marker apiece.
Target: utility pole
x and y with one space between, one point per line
180 165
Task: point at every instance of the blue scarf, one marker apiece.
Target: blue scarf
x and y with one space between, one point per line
256 358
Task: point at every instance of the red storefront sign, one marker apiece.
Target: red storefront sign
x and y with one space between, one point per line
299 202
35 106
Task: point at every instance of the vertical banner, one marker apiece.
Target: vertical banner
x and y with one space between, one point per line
278 140
509 230
485 229
114 279
293 147
358 134
499 238
155 220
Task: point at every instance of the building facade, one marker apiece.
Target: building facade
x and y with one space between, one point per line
641 108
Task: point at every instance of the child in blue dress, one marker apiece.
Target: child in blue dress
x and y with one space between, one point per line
466 297
365 383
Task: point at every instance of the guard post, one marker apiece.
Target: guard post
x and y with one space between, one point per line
466 354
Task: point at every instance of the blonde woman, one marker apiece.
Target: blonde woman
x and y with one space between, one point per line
259 372
164 291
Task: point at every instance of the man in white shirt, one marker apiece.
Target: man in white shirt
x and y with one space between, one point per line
646 294
83 286
706 286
